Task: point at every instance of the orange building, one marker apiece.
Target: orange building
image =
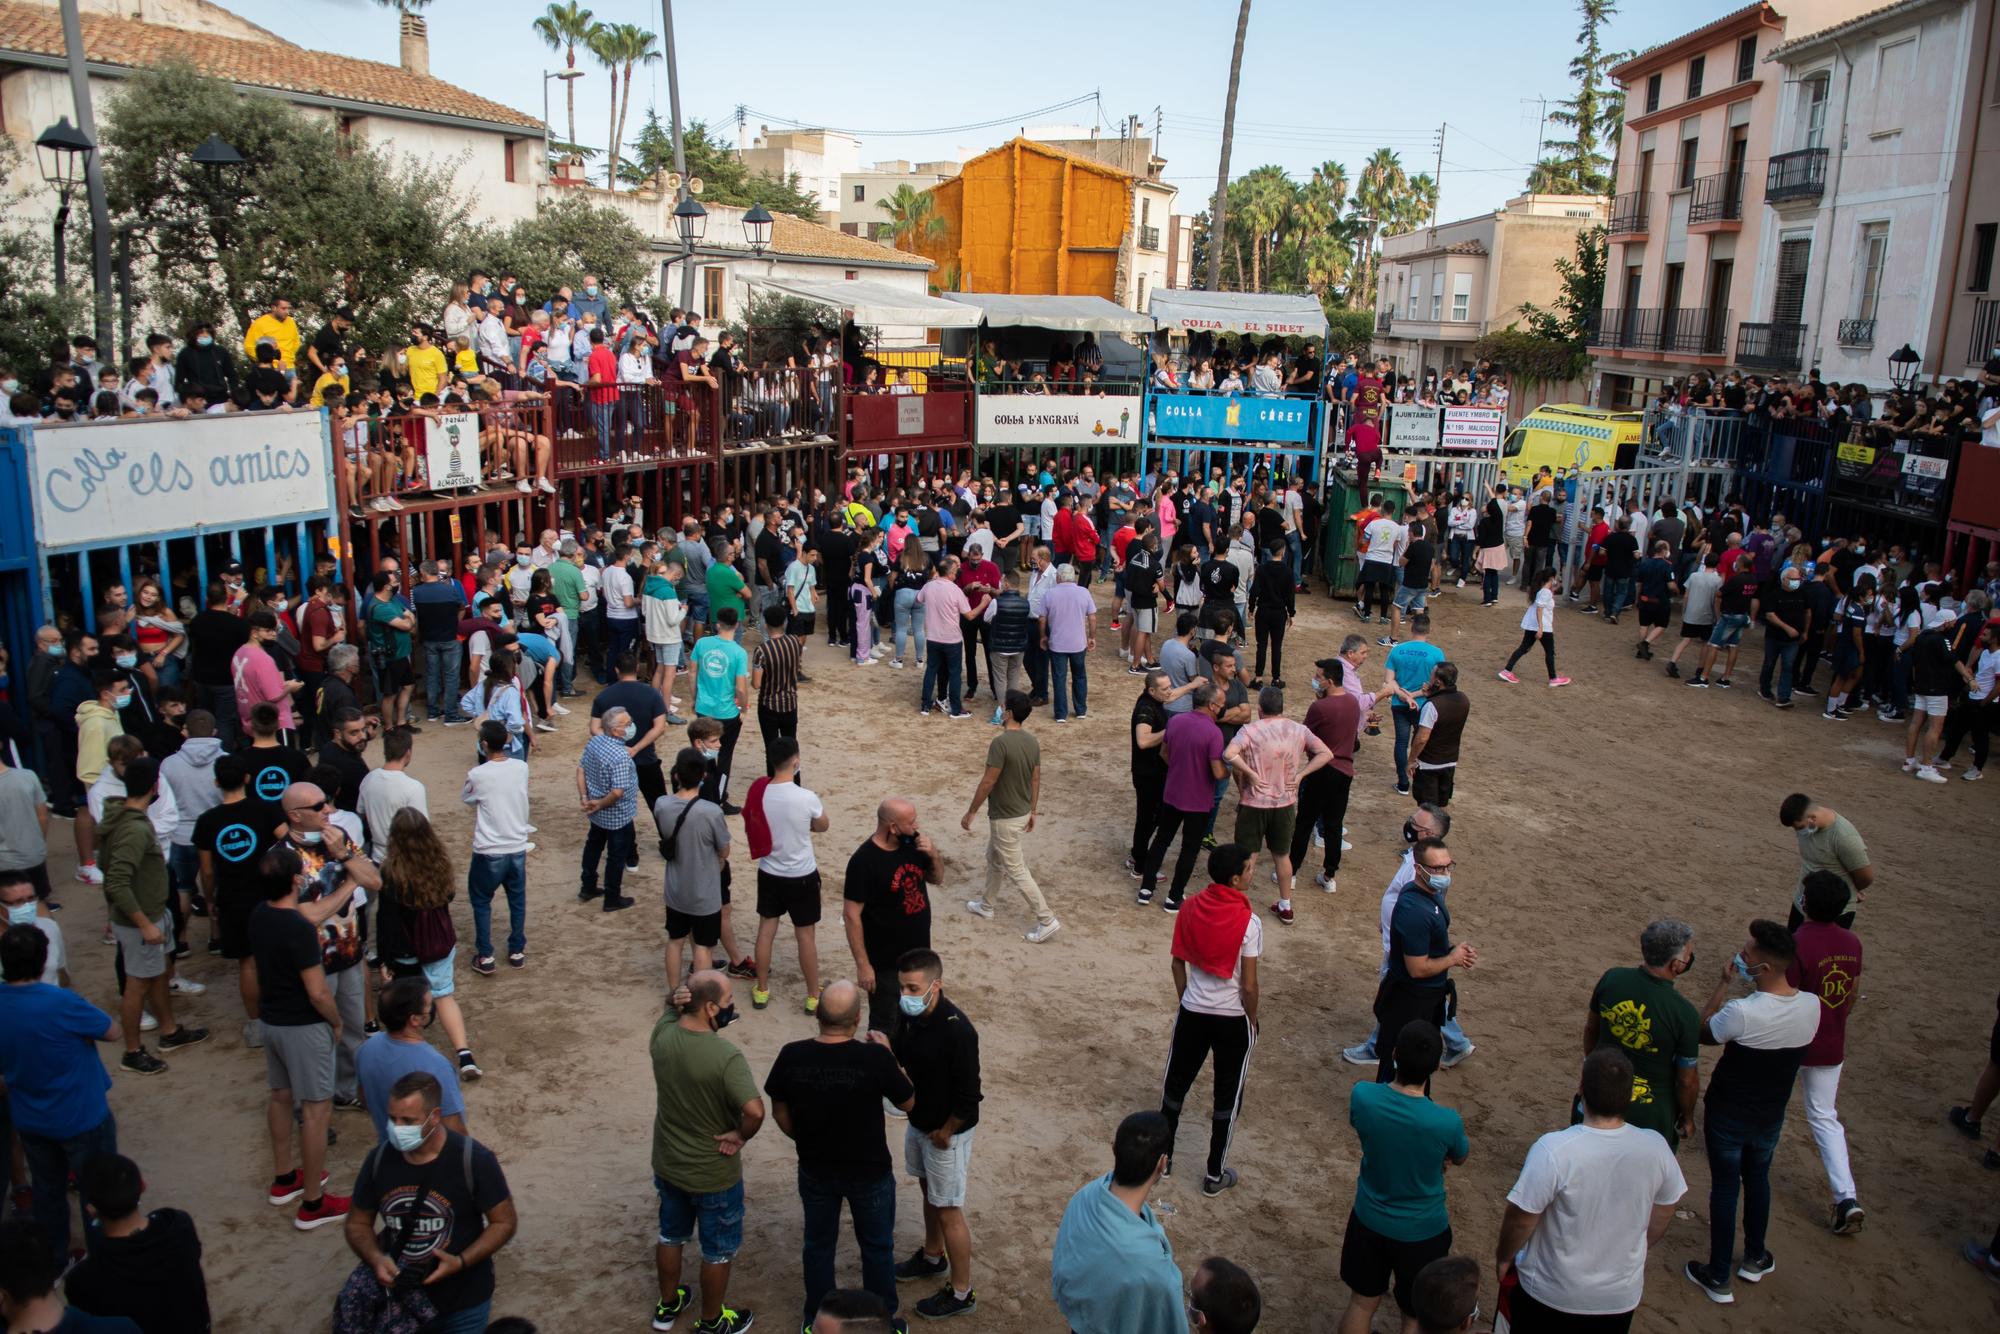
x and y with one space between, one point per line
1027 219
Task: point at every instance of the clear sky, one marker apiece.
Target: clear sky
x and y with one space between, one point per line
1321 79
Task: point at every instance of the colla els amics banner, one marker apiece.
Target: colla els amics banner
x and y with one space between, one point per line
1058 419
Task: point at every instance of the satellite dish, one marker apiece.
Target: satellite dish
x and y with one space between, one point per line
694 185
673 181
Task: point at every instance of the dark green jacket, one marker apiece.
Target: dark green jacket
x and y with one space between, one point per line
135 874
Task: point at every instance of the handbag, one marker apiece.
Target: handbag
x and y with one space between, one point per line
668 840
432 935
364 1306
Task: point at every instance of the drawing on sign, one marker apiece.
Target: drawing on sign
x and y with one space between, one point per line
451 450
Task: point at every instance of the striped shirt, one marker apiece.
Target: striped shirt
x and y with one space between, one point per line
607 765
778 660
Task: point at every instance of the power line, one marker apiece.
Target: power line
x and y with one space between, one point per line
1014 118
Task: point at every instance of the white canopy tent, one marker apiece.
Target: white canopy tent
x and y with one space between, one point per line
1070 314
1273 313
876 303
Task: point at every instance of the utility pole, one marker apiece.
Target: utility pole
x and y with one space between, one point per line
1218 227
1437 178
680 150
93 168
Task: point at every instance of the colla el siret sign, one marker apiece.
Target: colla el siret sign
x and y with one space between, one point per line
106 482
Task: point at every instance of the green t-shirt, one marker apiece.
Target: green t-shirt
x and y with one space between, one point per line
1659 1029
382 635
1837 848
725 589
566 582
1016 755
701 1083
718 662
1404 1142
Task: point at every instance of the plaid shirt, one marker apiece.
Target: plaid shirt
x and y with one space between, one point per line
606 766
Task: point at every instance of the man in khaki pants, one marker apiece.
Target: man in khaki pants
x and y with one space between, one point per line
1011 790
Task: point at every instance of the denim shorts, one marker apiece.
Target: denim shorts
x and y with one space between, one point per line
718 1213
438 973
1411 599
1729 629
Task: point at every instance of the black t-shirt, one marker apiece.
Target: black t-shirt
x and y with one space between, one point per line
1736 593
1845 562
329 344
1819 601
1218 581
452 1212
353 768
236 834
771 552
895 900
272 769
213 638
334 695
1789 607
1142 577
1621 553
1003 519
1148 764
1541 525
1933 670
151 1277
836 554
1653 576
1417 563
1734 396
284 944
1270 526
642 702
834 1093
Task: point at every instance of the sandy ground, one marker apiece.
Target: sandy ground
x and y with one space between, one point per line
1581 815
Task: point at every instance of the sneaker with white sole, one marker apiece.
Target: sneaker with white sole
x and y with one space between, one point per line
1361 1054
1971 776
1452 1058
1713 1283
89 874
559 710
1929 775
1325 882
146 1021
1041 931
979 908
1755 1270
182 986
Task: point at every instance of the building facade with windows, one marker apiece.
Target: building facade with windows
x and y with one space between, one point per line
862 193
1881 215
1438 290
818 157
1689 214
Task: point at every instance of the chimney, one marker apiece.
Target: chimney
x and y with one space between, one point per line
416 46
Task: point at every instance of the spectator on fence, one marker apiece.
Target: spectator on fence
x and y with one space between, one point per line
276 327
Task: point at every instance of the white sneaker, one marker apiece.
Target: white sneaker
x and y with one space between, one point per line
1909 764
559 710
548 487
1325 882
1039 932
146 1021
1930 775
1319 839
89 874
544 726
1971 775
979 908
523 487
181 986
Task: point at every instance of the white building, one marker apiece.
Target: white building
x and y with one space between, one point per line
819 158
497 151
862 192
1870 189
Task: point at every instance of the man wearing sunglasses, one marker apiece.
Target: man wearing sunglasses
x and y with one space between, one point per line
334 887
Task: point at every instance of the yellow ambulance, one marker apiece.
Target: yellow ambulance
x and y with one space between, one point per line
1561 436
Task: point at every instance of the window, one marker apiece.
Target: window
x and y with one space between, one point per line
1413 301
511 147
1696 68
860 194
1874 256
1145 212
1437 296
1983 237
1690 152
714 281
1653 92
1895 67
849 274
1140 304
1461 297
1746 59
851 228
1577 213
1814 93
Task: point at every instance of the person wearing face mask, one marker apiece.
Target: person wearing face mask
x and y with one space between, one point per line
1639 1012
22 908
98 720
1417 983
590 302
707 1108
1782 604
407 1011
136 890
336 880
442 1204
938 1048
257 679
1764 1036
607 787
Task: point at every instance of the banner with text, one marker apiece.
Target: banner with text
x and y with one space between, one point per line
1232 417
105 482
1061 419
1413 429
451 450
1473 430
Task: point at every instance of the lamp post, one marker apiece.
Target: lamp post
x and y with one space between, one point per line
1903 364
93 172
757 222
690 222
63 152
566 75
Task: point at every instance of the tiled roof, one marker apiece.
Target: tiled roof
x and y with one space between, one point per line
796 236
1646 58
34 29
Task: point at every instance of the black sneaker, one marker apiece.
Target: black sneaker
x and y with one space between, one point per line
1804 690
1145 897
1712 1282
1697 682
371 1027
921 1265
946 1303
1723 682
729 1322
620 903
1674 670
1964 1122
1766 695
1848 1216
183 1037
587 893
181 950
665 1313
351 1103
744 968
142 1062
1754 1270
1402 787
1172 908
467 1067
1781 704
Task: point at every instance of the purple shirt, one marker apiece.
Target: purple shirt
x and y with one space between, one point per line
944 607
1193 743
1068 609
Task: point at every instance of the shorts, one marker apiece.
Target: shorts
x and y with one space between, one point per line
1269 827
706 929
298 1058
1411 599
1376 572
1433 786
802 624
716 1214
396 676
796 895
1654 613
943 1171
1934 705
232 915
439 974
1144 619
143 960
1689 630
1368 1260
1846 657
1729 629
667 654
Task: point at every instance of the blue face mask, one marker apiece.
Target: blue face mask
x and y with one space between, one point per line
203 340
590 289
1744 970
55 650
1440 882
631 731
127 660
914 1006
122 701
21 914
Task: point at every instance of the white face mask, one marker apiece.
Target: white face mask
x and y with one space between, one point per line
407 1139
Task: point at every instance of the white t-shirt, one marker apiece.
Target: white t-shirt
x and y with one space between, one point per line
790 810
58 958
592 577
1208 994
497 790
1541 613
1984 671
617 587
1596 1191
1768 1022
383 793
1516 518
979 544
1382 537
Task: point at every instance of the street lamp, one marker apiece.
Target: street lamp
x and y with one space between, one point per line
690 220
215 154
758 223
566 75
64 153
1903 364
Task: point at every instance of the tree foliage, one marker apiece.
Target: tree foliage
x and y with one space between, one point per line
568 237
1563 328
33 313
775 326
1594 115
724 178
1349 331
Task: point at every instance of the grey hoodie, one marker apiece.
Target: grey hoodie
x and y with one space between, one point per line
189 773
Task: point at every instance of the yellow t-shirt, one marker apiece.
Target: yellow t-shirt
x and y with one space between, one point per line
466 360
319 387
427 368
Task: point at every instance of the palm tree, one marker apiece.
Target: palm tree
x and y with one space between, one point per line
1220 226
636 47
1268 197
564 28
913 217
1377 194
403 6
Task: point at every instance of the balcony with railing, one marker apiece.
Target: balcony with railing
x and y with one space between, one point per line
1856 333
1717 203
1694 332
1149 238
1772 347
1384 321
1985 331
1628 215
1797 177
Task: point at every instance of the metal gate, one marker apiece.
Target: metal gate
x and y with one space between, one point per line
1705 485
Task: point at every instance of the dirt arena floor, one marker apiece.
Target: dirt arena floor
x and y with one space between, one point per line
1581 815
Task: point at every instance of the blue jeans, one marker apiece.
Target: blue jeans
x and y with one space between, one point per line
1739 1153
471 1320
603 416
1066 672
441 680
873 1207
1296 546
943 669
1617 595
184 869
487 873
566 661
1779 655
1406 723
1454 1038
50 1163
614 847
1461 555
909 620
717 1214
